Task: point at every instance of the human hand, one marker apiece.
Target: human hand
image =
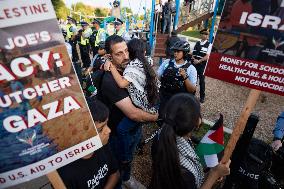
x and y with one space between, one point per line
276 145
107 65
182 72
222 169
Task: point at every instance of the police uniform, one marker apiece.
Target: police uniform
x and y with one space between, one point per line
124 34
97 36
84 45
201 49
71 30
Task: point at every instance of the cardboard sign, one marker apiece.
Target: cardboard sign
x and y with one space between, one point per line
45 122
249 45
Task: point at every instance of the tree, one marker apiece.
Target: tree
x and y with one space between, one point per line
60 8
101 12
85 11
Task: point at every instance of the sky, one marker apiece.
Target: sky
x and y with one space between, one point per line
133 4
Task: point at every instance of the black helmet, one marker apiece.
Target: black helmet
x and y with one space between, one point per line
181 46
101 45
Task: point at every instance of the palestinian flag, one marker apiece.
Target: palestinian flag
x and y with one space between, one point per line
212 144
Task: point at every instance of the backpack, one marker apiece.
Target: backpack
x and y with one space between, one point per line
171 81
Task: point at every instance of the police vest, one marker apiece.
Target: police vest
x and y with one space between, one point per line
171 81
84 41
69 33
101 35
120 32
200 51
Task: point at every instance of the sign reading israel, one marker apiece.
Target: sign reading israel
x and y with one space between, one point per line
248 48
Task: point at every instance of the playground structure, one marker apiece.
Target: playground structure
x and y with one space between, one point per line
186 15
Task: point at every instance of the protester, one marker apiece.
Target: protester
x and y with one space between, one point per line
138 77
175 163
98 169
170 42
278 132
100 58
177 75
117 99
200 56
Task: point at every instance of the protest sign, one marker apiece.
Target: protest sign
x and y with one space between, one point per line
45 121
249 45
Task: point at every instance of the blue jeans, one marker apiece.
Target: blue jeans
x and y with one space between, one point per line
124 144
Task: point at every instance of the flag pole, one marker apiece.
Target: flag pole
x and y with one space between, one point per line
240 124
56 180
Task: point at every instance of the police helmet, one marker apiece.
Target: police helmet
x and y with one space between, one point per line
181 46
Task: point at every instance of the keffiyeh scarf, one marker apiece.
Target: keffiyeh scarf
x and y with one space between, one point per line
189 160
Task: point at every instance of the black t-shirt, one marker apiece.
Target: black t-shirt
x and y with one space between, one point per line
90 173
188 179
111 93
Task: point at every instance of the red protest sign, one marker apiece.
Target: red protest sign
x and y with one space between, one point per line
249 46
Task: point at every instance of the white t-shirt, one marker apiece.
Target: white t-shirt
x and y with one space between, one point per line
134 73
191 70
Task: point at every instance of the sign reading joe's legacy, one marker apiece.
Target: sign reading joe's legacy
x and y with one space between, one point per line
248 49
44 119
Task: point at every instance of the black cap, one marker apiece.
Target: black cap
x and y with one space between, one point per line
204 31
83 23
95 21
117 21
71 19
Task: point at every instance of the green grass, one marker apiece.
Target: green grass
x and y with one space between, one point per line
203 130
191 33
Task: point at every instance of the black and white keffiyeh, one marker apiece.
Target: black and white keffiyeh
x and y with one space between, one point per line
189 160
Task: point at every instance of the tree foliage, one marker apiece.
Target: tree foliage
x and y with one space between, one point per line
60 8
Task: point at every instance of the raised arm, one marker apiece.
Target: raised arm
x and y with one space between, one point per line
121 82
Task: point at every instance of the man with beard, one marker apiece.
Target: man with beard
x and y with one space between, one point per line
120 105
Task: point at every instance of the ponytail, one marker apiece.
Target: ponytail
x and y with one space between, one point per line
166 167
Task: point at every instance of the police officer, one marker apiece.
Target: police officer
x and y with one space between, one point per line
120 31
98 35
70 28
71 32
84 44
200 56
177 75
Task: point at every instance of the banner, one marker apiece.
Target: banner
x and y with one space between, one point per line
248 49
45 122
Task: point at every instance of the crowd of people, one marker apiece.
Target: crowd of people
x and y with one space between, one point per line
123 92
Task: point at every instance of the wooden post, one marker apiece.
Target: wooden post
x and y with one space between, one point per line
55 180
241 123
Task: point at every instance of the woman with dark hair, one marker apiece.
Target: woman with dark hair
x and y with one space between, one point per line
175 163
